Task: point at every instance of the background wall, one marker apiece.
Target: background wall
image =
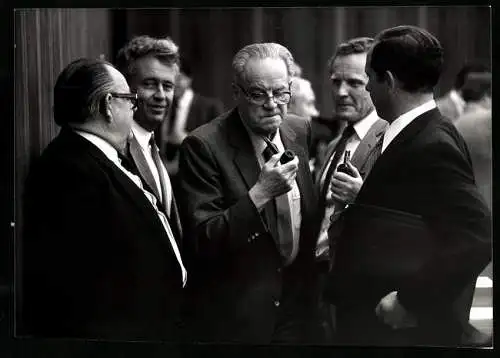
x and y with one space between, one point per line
46 40
211 37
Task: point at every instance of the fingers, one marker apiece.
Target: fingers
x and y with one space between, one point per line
273 161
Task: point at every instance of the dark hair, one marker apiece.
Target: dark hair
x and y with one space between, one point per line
163 49
411 54
79 90
352 46
466 70
476 86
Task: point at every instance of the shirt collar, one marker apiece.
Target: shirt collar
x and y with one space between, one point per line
403 120
142 135
109 151
363 126
415 112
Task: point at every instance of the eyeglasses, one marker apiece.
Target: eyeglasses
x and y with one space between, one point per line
132 97
259 97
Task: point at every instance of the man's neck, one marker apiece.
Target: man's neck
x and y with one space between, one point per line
406 102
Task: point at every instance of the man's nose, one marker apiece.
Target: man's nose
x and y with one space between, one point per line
343 90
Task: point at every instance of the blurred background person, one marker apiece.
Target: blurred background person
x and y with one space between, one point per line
189 111
452 104
303 101
475 126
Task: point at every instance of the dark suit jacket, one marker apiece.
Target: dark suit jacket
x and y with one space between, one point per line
97 262
426 170
237 273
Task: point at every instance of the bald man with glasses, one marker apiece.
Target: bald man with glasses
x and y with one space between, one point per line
248 213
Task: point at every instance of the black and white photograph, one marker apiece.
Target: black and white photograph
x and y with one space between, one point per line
294 177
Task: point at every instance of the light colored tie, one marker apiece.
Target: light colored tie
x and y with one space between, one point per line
288 246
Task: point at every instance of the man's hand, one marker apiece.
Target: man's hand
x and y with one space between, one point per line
392 313
345 187
274 180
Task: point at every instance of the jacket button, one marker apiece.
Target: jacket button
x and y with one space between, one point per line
277 303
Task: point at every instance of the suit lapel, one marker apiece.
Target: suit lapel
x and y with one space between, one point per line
395 150
247 164
244 159
143 167
366 145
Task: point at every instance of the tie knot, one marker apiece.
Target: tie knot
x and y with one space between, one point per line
348 131
270 150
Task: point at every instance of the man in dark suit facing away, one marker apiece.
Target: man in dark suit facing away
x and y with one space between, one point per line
99 258
249 241
419 232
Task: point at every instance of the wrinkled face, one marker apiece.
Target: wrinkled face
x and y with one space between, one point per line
304 101
154 83
122 109
378 91
264 77
351 100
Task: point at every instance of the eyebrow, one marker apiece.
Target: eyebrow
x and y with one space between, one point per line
257 87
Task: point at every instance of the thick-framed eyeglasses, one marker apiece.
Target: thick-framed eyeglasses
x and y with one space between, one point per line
259 97
132 97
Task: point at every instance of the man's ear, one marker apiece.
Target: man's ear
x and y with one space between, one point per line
105 107
390 80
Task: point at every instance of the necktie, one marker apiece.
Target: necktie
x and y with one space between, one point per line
288 246
339 150
159 167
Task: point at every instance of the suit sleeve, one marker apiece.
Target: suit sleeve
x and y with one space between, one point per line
461 222
214 224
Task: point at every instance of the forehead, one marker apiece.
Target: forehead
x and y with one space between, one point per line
351 65
151 67
266 73
119 81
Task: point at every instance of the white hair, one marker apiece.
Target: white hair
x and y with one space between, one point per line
260 51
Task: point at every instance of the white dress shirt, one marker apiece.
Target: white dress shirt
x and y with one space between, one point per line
294 194
111 153
403 120
143 137
361 128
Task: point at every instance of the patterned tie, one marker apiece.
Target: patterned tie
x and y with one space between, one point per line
288 246
339 150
